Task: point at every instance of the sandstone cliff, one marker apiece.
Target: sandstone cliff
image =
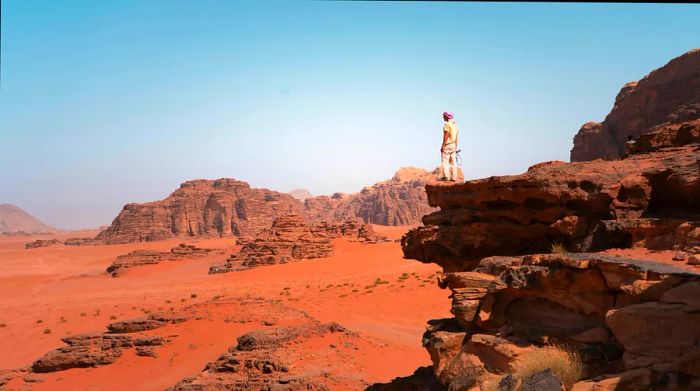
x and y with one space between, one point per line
666 96
227 207
202 208
627 319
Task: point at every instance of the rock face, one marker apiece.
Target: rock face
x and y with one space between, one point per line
202 208
618 313
150 257
665 97
398 201
630 321
645 200
227 207
289 239
15 220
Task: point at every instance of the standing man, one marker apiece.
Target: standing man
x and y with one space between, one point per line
449 148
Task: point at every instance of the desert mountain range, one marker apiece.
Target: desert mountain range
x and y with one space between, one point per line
16 220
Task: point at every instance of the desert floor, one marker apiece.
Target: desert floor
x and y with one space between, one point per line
48 293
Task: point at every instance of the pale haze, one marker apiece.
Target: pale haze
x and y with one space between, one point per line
108 102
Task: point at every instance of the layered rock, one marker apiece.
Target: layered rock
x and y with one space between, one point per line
399 201
227 207
620 314
266 359
222 207
289 239
646 200
630 321
151 257
42 243
664 98
353 229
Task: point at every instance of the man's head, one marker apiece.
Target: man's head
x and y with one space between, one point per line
447 116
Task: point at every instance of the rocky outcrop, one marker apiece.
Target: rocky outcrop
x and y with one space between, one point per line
42 243
353 229
628 321
227 207
83 351
292 239
81 242
398 201
151 257
620 314
222 207
150 322
665 98
646 200
266 359
289 239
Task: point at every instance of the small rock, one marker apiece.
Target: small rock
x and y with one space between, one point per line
694 259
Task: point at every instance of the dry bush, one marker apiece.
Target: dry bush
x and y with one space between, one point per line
558 248
564 362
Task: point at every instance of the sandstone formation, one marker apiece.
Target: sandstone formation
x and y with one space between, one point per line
646 200
352 229
150 257
82 351
42 243
201 208
81 242
399 201
630 321
292 239
665 97
620 314
227 207
265 359
289 239
150 322
16 220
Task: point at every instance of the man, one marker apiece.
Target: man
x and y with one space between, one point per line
449 148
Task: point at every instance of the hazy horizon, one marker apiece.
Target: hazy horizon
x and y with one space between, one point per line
112 102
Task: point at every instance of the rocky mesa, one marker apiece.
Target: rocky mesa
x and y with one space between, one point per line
228 207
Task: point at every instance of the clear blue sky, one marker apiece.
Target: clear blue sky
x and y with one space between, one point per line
108 102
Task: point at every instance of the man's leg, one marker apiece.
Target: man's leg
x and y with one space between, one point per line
445 162
453 165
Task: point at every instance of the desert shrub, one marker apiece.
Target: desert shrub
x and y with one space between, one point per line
113 317
39 321
558 248
193 295
3 325
47 331
404 276
564 362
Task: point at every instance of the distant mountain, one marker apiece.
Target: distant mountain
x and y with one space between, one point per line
14 219
300 194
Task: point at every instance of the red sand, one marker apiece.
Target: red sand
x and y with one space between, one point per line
64 289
